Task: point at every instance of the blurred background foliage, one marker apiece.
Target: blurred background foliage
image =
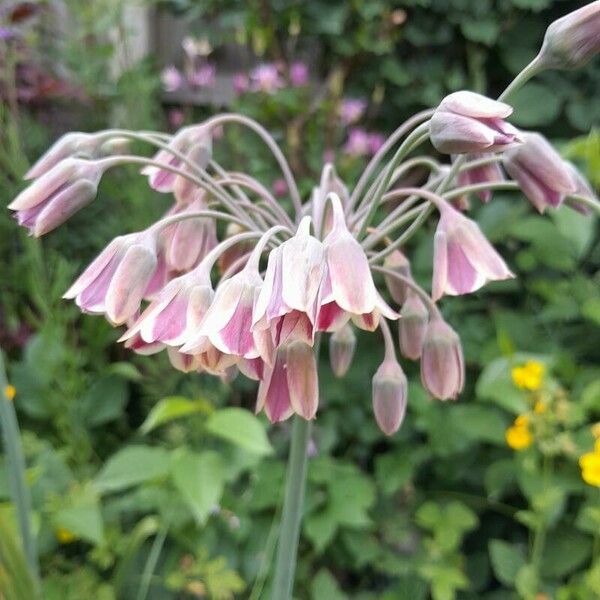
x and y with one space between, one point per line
150 484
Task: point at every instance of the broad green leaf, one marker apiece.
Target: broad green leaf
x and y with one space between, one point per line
478 422
171 408
81 516
104 401
240 427
535 104
132 465
319 528
565 551
200 481
577 228
324 586
506 560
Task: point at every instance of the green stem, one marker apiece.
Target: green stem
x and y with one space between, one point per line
16 473
151 563
532 69
289 535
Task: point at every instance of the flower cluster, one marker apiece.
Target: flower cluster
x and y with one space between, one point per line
289 271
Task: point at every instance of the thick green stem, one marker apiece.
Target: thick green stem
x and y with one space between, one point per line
289 533
16 473
532 69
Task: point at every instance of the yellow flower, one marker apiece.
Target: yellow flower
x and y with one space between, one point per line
64 536
596 430
518 437
590 466
10 392
540 407
529 376
522 421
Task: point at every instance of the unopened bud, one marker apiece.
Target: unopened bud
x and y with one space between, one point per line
442 362
412 326
302 380
389 396
396 261
341 350
572 40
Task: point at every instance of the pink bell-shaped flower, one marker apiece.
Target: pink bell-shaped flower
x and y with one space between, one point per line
489 173
115 282
467 122
442 362
342 345
57 194
195 142
412 326
290 385
348 284
288 301
463 259
582 188
397 262
542 174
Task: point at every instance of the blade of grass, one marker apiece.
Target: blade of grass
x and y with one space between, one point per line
16 472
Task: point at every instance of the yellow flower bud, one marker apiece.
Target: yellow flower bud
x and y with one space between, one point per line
10 392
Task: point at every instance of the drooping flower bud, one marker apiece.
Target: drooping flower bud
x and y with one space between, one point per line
186 363
468 122
342 345
396 261
412 326
463 259
540 172
115 282
69 145
442 362
302 379
571 41
389 390
488 173
57 195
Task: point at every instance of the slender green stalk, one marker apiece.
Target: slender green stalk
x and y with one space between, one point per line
293 500
532 69
151 563
291 517
16 473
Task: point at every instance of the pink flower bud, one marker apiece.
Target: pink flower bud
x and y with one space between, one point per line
412 326
302 379
56 195
542 174
397 261
342 345
115 282
389 396
463 259
442 363
299 75
182 362
490 173
69 145
573 40
468 122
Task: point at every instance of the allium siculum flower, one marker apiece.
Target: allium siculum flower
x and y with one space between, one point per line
348 287
412 326
544 177
397 261
466 122
487 173
442 362
463 259
342 345
57 194
389 389
571 41
582 188
115 282
194 142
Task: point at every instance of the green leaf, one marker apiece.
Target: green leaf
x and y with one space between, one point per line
81 516
104 401
320 528
577 228
200 480
171 408
240 427
566 551
506 561
535 104
495 384
131 466
324 586
483 30
481 423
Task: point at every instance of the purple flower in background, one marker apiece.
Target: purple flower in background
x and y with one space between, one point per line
203 76
280 187
358 142
176 118
171 79
376 140
266 78
298 74
351 110
241 83
6 33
